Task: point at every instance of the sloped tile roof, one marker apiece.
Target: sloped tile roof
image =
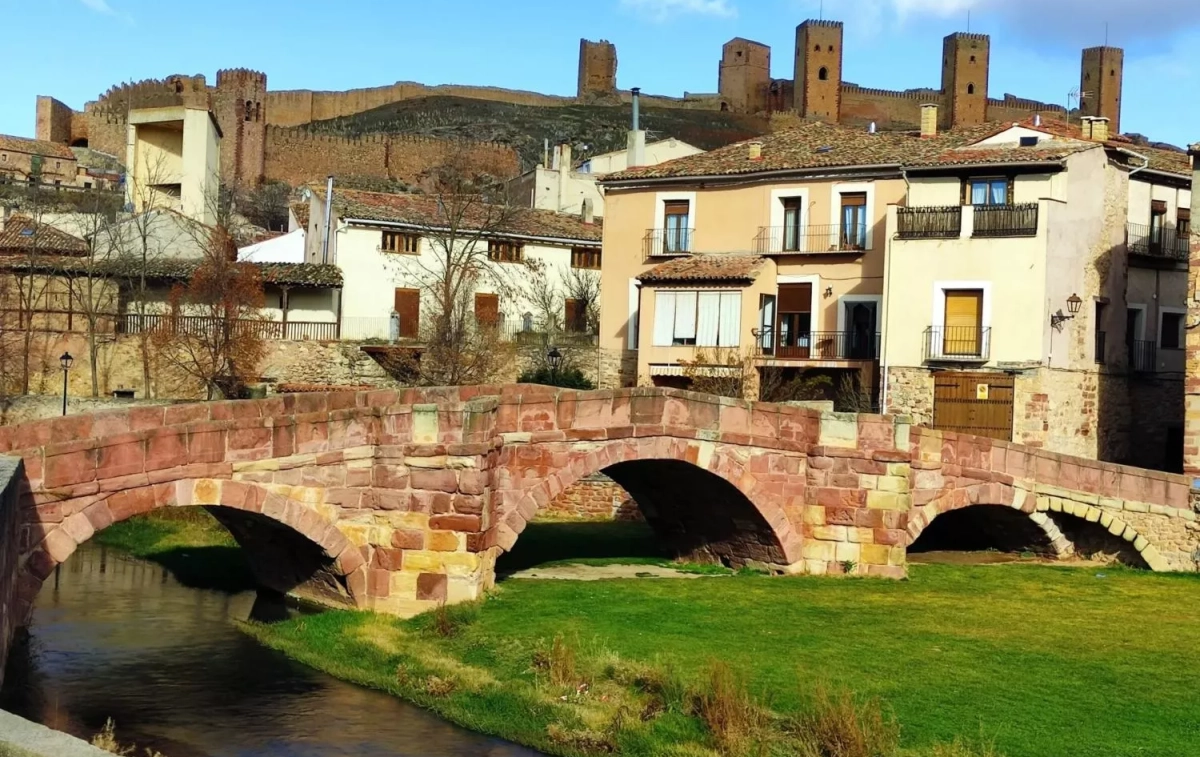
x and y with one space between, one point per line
706 268
23 235
300 211
171 269
424 210
35 147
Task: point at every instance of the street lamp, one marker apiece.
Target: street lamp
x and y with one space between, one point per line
1074 303
554 358
65 361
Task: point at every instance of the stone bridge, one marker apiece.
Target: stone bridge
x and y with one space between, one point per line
398 500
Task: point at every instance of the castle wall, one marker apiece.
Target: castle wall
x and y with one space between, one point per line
297 156
597 69
54 120
887 109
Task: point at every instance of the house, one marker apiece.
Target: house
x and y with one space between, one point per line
772 249
389 245
173 161
36 162
1035 283
561 186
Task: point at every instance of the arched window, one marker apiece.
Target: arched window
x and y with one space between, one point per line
817 49
1112 72
823 74
972 58
970 89
831 48
249 113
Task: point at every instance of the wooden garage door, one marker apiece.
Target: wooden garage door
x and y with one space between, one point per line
974 403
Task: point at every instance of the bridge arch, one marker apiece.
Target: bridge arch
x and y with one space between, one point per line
1041 512
723 502
297 545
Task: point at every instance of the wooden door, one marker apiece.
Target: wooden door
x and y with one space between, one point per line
793 327
974 403
487 309
573 317
964 316
408 305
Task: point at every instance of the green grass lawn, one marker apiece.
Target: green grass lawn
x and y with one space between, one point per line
1041 661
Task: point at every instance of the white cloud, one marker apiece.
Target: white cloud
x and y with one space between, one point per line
664 10
100 6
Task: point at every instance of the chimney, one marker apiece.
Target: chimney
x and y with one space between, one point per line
587 214
637 115
872 128
929 120
1100 129
756 150
1085 123
1037 119
564 158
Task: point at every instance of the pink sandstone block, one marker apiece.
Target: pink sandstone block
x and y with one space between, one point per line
431 587
68 469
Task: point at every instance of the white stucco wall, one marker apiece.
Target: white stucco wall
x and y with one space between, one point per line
656 152
1144 189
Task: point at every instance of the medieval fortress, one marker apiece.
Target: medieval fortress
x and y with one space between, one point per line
264 135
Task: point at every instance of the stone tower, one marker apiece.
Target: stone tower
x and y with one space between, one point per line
597 69
965 62
240 102
818 93
745 75
1100 85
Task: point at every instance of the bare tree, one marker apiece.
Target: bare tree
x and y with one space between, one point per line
582 286
468 248
729 372
91 284
216 332
34 261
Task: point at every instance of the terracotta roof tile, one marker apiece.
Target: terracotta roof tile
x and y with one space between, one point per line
35 147
706 268
23 235
423 210
300 211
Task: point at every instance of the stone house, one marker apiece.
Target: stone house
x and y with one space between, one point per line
36 161
388 246
917 260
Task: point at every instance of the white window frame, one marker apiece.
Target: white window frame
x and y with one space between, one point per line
851 298
835 210
660 211
1182 328
778 215
634 323
738 293
815 307
1143 308
939 310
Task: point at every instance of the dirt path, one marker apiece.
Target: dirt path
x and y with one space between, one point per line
599 572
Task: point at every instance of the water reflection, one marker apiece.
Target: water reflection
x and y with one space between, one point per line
114 637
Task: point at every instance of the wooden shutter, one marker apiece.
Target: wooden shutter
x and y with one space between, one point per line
487 309
795 298
408 305
964 312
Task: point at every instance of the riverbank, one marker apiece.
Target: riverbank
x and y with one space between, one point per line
1038 661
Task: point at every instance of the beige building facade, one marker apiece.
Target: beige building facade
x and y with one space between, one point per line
173 159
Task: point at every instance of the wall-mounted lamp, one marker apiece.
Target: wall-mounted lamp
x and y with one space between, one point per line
1074 303
828 292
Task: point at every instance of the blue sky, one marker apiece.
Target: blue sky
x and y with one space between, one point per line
75 49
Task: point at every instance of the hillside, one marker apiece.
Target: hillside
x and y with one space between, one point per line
592 129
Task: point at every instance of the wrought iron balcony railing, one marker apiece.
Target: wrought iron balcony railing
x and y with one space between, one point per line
1006 220
1166 242
957 344
1143 356
809 240
929 223
819 345
668 243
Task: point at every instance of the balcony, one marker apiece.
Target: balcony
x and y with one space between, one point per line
821 346
957 344
811 240
1143 356
930 222
1006 220
1161 242
667 243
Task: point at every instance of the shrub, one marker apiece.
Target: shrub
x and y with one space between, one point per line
557 663
566 378
836 725
733 718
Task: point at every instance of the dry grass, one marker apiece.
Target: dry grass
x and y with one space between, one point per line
106 740
835 724
738 725
557 663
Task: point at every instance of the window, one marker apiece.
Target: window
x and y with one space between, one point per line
506 252
249 110
701 319
1170 337
793 327
963 330
677 235
57 165
1183 224
970 89
793 220
853 230
585 257
398 241
997 191
1158 219
1101 341
823 74
3 157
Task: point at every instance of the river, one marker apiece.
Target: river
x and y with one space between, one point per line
114 637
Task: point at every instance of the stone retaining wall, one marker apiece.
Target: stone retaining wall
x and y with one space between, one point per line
12 475
597 498
21 738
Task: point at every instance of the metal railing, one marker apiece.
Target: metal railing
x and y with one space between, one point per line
1101 344
1164 242
929 222
1143 356
1006 220
808 240
668 243
958 343
821 345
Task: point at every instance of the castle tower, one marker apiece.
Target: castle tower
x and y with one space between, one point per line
818 93
965 65
745 75
1101 83
240 106
597 69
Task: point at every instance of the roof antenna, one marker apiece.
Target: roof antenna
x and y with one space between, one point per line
821 14
1106 34
968 21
